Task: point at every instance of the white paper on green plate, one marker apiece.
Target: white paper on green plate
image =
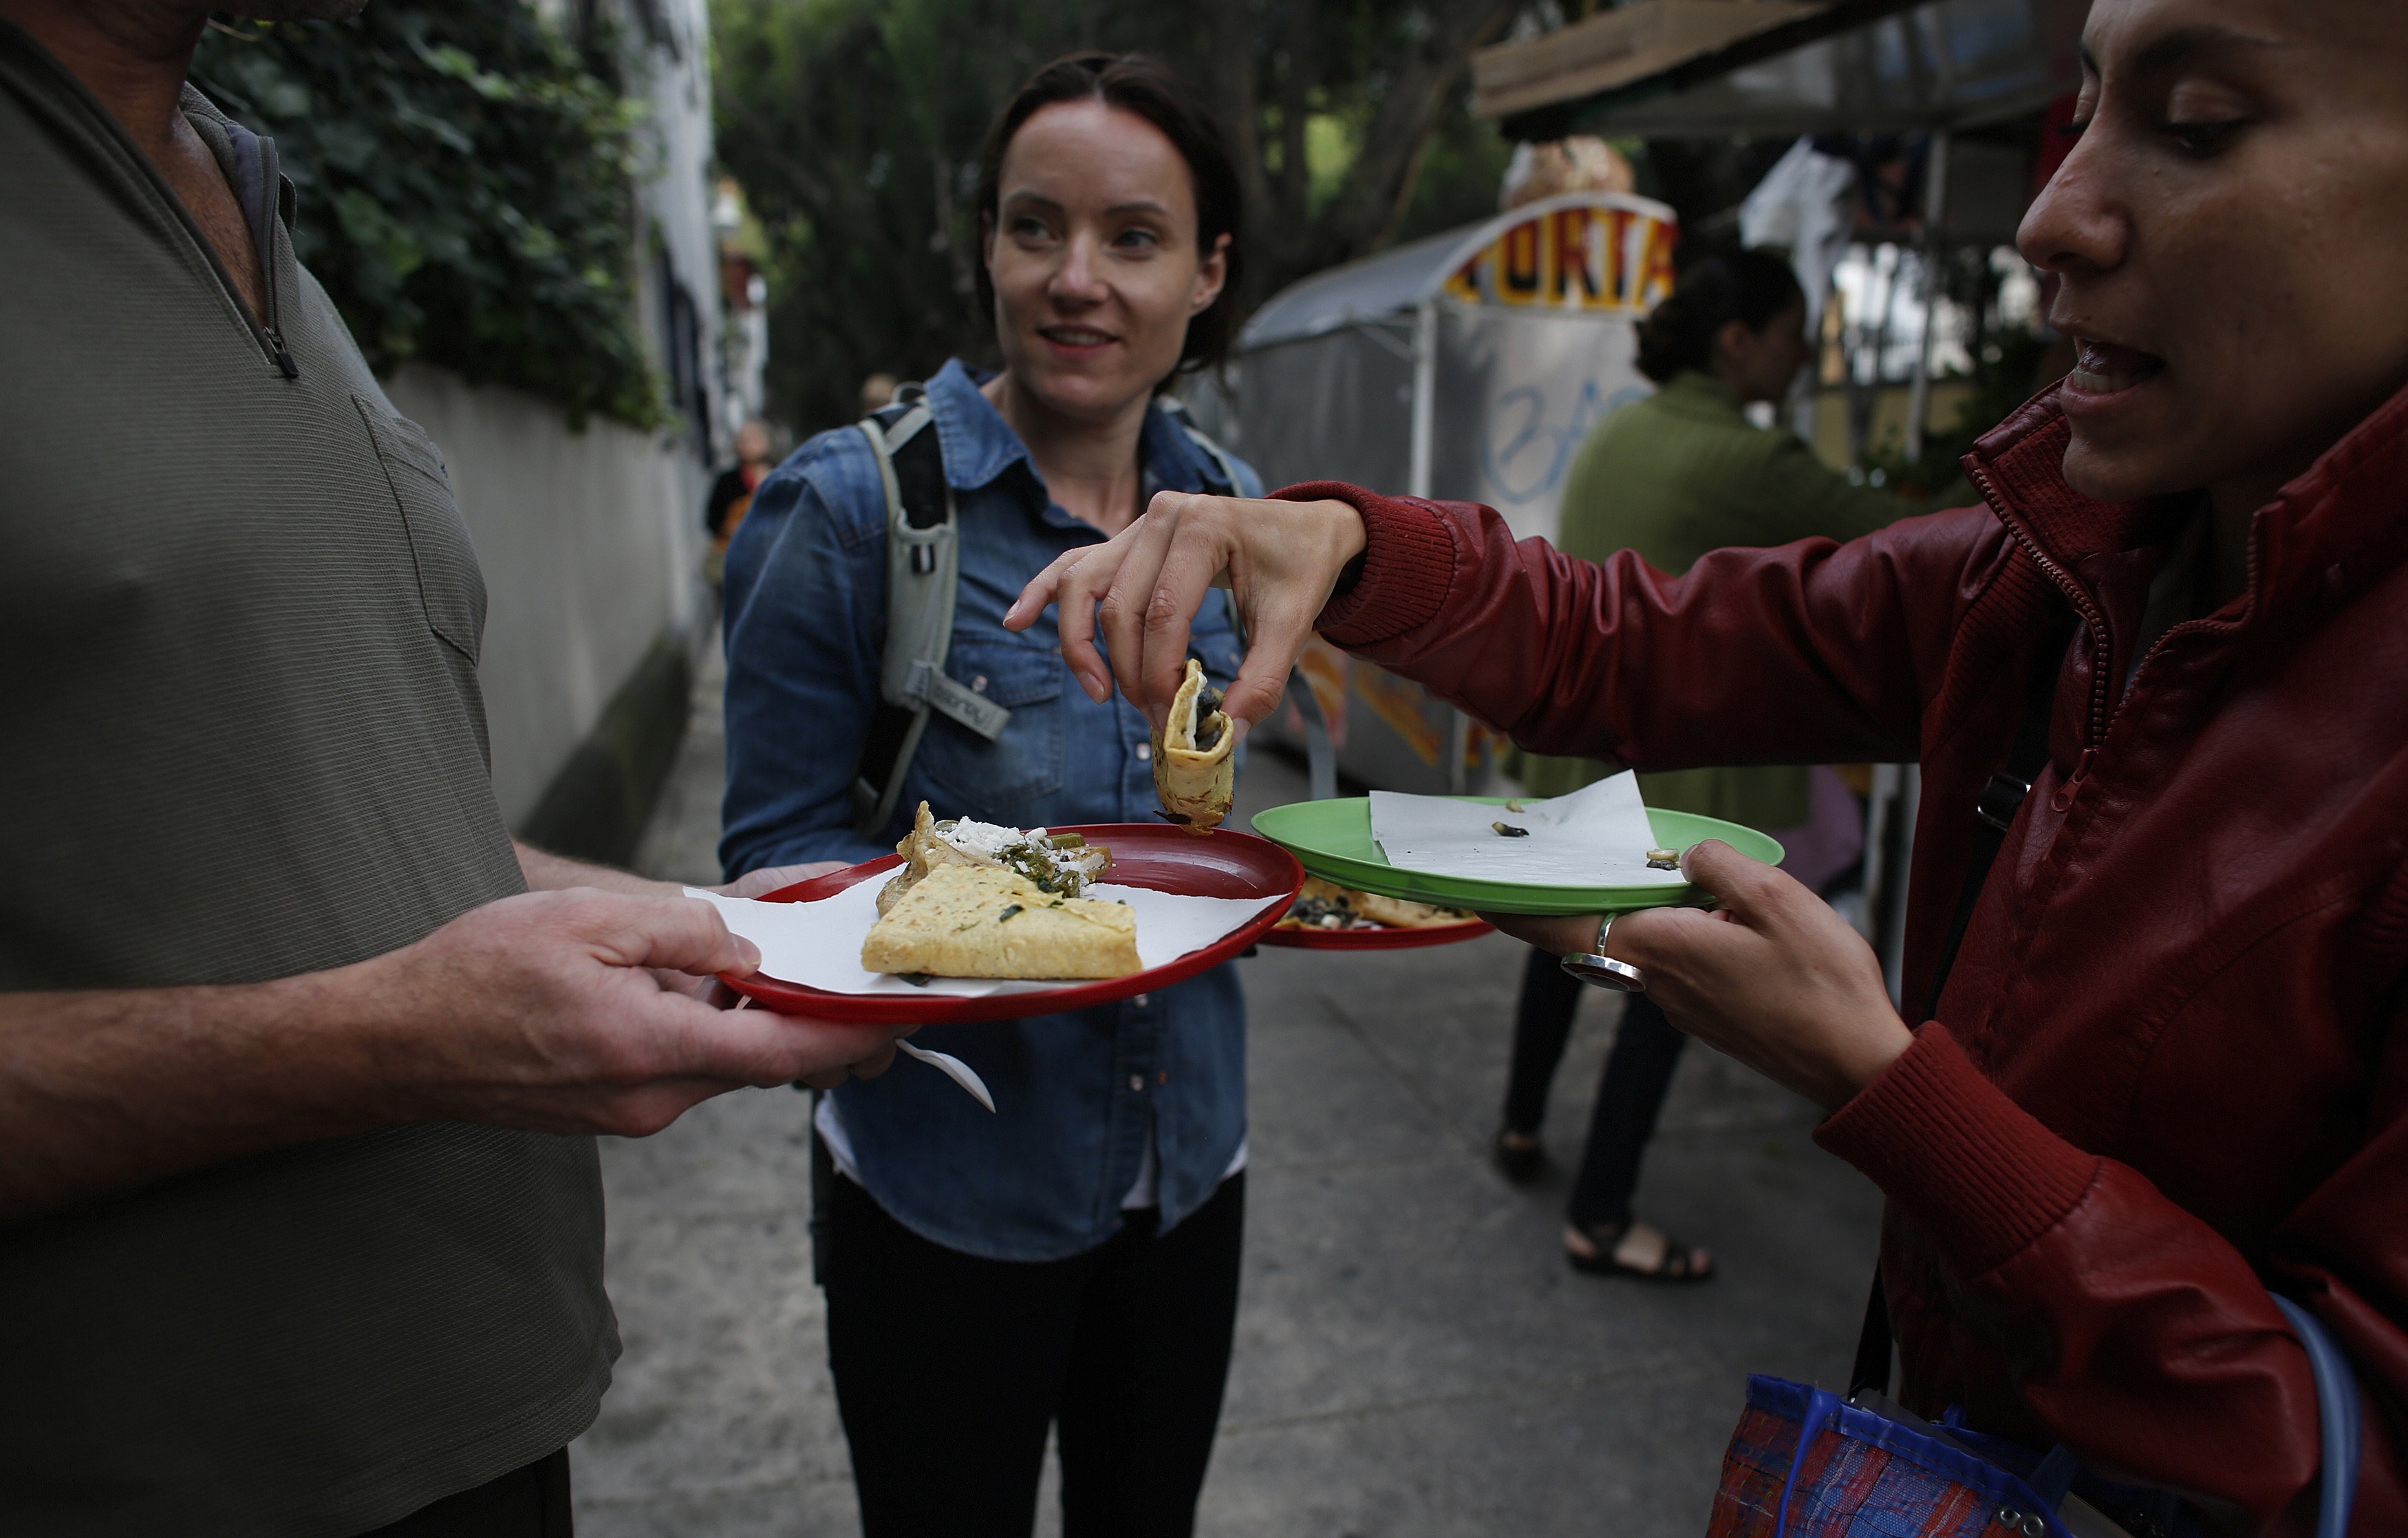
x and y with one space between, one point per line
1596 836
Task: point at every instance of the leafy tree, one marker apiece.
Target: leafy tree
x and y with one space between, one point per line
1387 75
854 127
466 191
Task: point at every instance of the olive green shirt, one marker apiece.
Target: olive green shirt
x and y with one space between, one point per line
1673 476
239 616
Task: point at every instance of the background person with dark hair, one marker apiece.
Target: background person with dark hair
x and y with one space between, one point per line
1070 1261
1673 476
731 495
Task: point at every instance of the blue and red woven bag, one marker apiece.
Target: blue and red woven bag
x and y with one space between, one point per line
1807 1463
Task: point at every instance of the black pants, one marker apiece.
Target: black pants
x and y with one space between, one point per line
1638 1074
949 1368
527 1502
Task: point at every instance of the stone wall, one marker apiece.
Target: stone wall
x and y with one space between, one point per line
591 543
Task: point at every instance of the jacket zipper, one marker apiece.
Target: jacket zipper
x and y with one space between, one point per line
271 195
2104 707
2101 654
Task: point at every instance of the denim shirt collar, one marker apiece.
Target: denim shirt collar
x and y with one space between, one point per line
980 447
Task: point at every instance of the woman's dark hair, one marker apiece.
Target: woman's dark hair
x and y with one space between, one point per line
1747 286
1133 84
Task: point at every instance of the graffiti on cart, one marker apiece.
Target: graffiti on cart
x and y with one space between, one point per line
1527 444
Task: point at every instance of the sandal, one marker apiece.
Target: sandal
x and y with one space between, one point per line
1677 1263
1522 1162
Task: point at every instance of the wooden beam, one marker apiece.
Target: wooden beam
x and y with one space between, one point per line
1615 47
1655 48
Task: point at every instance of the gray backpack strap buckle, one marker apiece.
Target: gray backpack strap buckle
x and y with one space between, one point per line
941 694
923 563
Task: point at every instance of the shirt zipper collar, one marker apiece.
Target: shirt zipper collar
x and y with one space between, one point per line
263 222
264 330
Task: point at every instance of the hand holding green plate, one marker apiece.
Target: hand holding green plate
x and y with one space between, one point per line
1332 840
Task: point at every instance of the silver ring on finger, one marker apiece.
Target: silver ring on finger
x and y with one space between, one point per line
1600 970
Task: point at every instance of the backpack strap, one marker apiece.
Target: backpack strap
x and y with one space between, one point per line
2001 795
1994 809
923 563
1225 466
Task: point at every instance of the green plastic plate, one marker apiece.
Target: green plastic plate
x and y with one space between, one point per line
1332 840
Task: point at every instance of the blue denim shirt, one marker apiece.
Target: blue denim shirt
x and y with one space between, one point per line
1077 1096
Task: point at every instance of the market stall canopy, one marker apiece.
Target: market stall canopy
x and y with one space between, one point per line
1592 252
1693 69
1470 366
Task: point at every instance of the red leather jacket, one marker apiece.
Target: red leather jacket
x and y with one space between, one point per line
2168 1068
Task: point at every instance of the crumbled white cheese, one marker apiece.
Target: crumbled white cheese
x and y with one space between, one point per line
988 841
976 837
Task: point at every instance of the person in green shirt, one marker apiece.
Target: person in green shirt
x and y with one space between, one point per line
1673 476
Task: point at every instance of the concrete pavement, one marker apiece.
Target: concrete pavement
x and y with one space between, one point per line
1413 1358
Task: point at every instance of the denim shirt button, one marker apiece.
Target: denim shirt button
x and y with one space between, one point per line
1144 751
1136 1083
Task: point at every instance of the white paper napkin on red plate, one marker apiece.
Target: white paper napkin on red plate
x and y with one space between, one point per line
818 944
1598 836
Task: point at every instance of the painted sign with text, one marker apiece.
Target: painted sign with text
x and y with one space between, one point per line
1596 256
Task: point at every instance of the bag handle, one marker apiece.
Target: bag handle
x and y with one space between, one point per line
2336 1419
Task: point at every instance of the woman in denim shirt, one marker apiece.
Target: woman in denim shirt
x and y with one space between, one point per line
1073 1257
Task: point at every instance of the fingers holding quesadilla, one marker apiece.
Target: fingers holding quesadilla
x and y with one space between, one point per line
1194 769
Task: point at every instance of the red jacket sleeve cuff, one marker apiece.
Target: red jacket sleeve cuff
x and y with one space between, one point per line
1980 1175
1408 565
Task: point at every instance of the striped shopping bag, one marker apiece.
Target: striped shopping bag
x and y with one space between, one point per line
1807 1463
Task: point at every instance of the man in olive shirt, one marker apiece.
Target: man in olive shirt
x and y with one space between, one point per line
300 1218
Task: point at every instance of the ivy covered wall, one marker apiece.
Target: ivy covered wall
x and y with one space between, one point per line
465 178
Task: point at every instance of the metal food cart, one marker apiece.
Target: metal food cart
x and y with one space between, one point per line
1468 365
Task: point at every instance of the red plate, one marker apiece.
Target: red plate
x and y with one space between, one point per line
1226 864
1384 938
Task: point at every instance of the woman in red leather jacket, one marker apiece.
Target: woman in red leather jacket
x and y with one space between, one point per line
2168 1070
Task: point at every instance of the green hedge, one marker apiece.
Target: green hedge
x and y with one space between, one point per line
465 181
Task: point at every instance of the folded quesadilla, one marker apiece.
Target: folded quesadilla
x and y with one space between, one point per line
1060 864
1193 773
977 921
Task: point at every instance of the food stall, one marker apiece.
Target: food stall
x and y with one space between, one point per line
1978 82
1470 366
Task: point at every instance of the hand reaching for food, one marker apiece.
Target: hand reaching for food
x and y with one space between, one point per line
1280 561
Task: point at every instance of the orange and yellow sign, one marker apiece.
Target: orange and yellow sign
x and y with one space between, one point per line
1595 257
